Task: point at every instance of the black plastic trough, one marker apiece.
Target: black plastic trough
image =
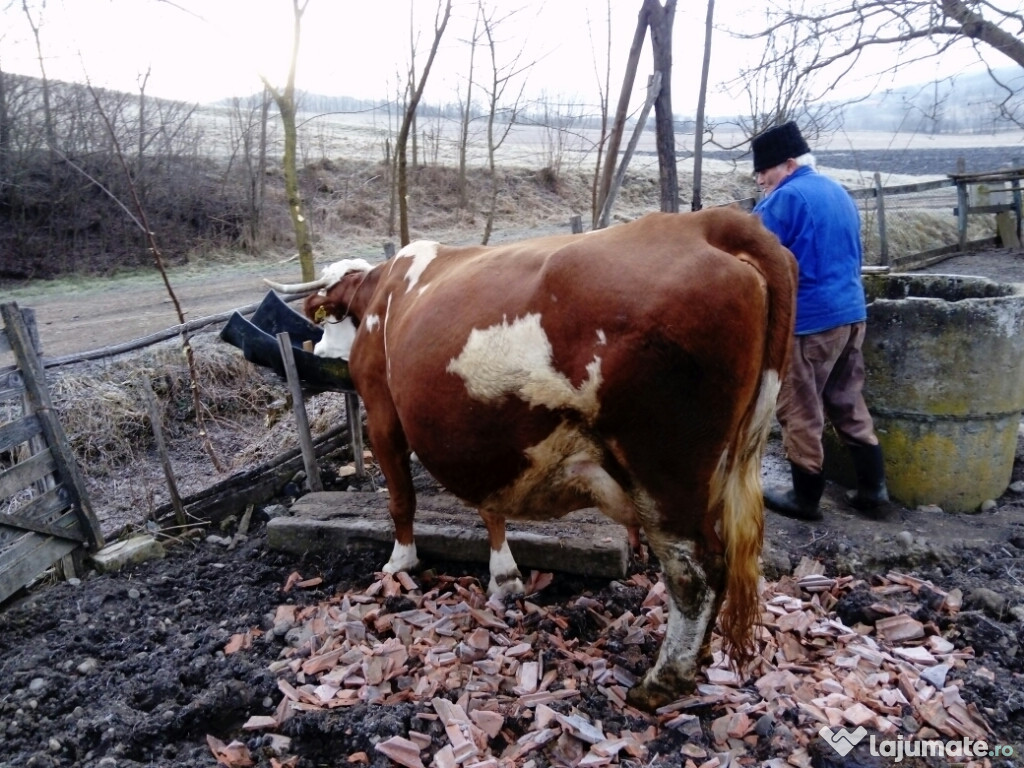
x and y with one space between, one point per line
257 339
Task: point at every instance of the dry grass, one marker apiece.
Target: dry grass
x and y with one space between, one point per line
103 410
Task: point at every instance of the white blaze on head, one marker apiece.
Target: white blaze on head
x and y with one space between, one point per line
337 339
332 273
422 252
516 359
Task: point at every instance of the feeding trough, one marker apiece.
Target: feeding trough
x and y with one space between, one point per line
944 358
257 339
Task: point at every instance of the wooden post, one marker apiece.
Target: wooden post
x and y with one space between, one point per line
284 342
883 241
653 89
355 428
962 202
165 457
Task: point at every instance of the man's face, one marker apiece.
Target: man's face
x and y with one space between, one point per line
770 178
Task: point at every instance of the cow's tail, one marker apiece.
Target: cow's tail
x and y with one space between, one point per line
742 501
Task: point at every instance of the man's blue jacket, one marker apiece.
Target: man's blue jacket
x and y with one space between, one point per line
818 221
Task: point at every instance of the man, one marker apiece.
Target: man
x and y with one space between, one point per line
817 220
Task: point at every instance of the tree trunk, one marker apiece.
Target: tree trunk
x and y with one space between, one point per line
698 132
976 27
407 122
660 20
621 111
285 101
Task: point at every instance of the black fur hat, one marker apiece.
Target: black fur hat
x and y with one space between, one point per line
776 145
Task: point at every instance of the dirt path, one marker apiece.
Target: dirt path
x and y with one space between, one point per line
82 316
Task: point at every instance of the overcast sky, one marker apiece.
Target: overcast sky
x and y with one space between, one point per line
203 50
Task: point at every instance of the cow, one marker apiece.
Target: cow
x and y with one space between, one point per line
633 369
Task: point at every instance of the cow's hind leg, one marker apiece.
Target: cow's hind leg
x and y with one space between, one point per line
696 589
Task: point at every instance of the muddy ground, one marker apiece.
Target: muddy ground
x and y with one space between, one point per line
130 669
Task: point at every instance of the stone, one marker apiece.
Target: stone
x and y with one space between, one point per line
133 551
936 676
987 600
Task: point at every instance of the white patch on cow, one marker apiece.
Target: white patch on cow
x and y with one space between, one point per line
384 330
601 338
422 252
371 322
334 272
505 576
403 558
516 359
337 339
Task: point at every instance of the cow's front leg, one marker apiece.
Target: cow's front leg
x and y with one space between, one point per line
505 576
695 590
392 452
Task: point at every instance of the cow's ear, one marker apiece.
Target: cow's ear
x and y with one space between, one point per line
312 306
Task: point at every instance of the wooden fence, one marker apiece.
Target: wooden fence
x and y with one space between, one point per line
973 193
45 515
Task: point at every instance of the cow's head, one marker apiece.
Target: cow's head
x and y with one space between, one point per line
330 303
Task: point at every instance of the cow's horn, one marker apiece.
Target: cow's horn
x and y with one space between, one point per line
313 285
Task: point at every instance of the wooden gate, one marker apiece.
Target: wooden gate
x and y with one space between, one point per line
44 510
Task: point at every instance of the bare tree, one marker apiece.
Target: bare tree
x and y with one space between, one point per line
249 119
782 86
502 76
287 108
621 113
660 18
402 141
845 34
467 110
604 80
698 132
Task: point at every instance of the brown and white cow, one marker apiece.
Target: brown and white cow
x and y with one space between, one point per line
633 369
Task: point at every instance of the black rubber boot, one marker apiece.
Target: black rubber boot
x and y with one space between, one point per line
870 469
801 501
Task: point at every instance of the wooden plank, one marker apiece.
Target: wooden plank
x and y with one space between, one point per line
993 208
28 557
11 383
24 473
19 431
252 486
901 189
30 517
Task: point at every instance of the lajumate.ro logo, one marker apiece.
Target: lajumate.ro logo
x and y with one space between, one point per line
843 742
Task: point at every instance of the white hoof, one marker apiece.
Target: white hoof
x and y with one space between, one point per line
403 558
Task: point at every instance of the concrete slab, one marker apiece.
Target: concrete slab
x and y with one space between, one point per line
133 551
584 542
